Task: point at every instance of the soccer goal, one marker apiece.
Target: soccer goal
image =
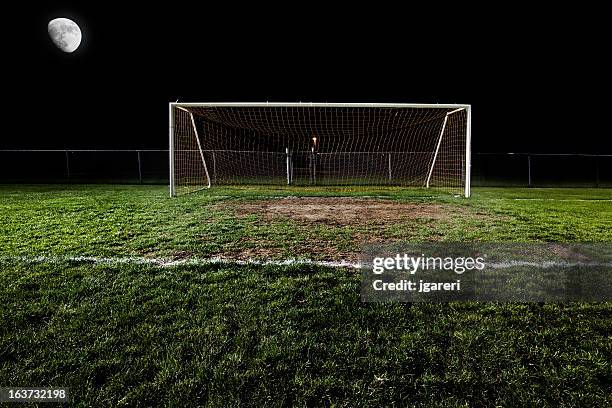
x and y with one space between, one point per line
340 144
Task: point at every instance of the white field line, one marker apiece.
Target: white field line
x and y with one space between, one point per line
170 262
546 264
166 262
561 199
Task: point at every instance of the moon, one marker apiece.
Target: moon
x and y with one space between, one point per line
65 34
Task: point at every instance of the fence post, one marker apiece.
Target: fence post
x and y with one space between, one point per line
313 168
529 169
288 158
596 171
67 166
139 168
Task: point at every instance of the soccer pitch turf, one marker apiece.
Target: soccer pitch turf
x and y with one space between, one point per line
82 308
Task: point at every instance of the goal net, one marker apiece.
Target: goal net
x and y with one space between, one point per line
319 144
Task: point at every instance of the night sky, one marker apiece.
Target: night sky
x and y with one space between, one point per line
533 77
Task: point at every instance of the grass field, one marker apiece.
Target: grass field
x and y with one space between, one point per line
133 333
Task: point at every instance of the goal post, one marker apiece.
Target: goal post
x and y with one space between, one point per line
171 151
467 192
340 144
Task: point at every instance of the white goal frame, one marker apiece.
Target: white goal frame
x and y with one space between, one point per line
455 108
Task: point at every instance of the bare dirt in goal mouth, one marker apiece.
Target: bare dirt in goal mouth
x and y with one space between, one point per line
345 211
335 228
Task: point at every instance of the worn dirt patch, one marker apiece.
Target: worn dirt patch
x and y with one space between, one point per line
333 228
346 211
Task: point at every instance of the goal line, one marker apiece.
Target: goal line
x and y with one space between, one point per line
165 262
170 262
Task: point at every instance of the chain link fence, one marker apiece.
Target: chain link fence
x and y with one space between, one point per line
151 167
541 170
84 166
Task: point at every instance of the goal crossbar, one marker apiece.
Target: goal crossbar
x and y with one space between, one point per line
319 104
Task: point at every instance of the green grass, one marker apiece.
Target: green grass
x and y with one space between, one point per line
227 335
144 221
